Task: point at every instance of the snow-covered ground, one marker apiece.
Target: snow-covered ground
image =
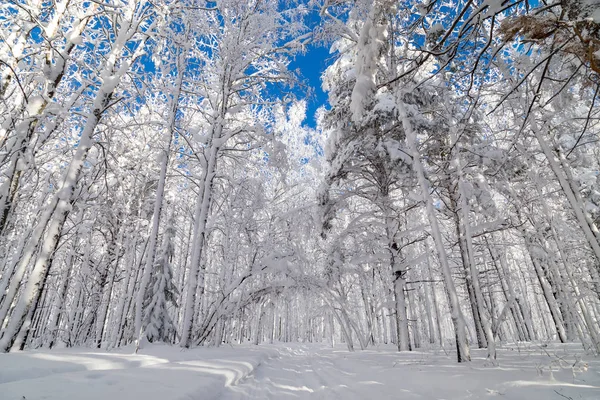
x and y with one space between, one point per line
524 371
156 373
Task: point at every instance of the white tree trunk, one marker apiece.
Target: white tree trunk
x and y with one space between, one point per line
458 320
474 273
158 202
49 229
589 229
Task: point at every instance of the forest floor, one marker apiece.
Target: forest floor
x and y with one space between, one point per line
281 371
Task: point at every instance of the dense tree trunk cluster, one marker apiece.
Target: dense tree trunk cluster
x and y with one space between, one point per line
470 131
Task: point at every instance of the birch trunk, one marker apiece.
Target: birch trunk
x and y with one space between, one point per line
473 272
59 301
436 308
458 320
25 129
548 296
195 283
587 226
48 231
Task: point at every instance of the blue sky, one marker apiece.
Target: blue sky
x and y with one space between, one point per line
311 65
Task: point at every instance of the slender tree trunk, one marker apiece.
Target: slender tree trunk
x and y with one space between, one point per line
195 286
473 272
113 264
548 295
434 298
346 331
509 295
587 226
49 229
463 354
158 202
59 301
26 128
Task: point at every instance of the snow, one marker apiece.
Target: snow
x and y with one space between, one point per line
158 372
596 16
524 371
110 82
74 37
280 371
385 103
567 141
34 104
366 64
493 6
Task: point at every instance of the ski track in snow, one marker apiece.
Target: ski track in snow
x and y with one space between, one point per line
298 371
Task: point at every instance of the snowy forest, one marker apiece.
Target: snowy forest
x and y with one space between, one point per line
163 177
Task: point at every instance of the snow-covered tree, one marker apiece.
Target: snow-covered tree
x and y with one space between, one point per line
159 325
